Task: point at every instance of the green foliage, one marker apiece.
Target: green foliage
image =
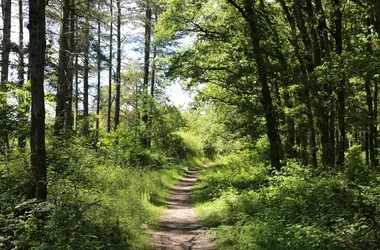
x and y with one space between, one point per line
296 208
104 197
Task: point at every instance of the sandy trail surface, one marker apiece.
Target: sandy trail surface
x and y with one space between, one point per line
179 226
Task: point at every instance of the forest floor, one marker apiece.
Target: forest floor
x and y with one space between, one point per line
179 226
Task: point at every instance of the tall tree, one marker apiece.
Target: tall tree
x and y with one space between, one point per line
147 50
110 70
118 66
6 43
98 58
248 13
69 117
21 75
37 41
63 69
86 69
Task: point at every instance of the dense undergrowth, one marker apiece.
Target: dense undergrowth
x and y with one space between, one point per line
298 208
100 197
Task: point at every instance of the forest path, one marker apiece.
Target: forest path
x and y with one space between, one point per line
179 226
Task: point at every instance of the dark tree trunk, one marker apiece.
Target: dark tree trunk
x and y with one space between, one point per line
37 46
63 70
341 92
76 97
86 69
118 67
109 110
375 110
98 87
69 123
6 8
304 75
148 27
270 115
377 16
21 77
152 82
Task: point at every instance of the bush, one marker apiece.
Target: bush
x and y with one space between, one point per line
296 209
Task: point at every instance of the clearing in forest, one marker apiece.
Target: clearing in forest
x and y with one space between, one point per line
179 226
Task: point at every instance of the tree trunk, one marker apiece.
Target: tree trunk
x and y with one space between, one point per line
305 80
109 110
341 92
118 67
6 7
76 98
146 109
23 106
63 70
270 113
86 69
152 82
37 45
69 123
98 87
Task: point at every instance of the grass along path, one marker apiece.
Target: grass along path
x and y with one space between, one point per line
179 225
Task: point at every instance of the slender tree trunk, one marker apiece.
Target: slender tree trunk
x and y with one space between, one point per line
370 120
98 87
375 114
23 107
69 123
76 98
118 67
152 82
109 110
146 109
304 74
37 45
366 147
6 7
86 69
63 71
341 92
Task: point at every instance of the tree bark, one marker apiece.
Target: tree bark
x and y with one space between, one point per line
86 69
341 92
305 78
98 86
69 123
146 111
37 45
118 67
23 107
270 115
63 70
6 8
76 97
109 110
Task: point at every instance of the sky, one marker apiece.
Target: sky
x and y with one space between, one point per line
176 94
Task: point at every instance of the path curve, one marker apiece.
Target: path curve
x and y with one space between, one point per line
179 226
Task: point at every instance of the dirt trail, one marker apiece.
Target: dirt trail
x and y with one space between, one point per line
179 226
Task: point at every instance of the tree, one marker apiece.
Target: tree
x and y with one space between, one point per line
37 40
6 48
23 104
248 13
110 70
118 66
63 72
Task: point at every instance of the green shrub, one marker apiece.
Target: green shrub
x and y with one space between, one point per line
294 209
